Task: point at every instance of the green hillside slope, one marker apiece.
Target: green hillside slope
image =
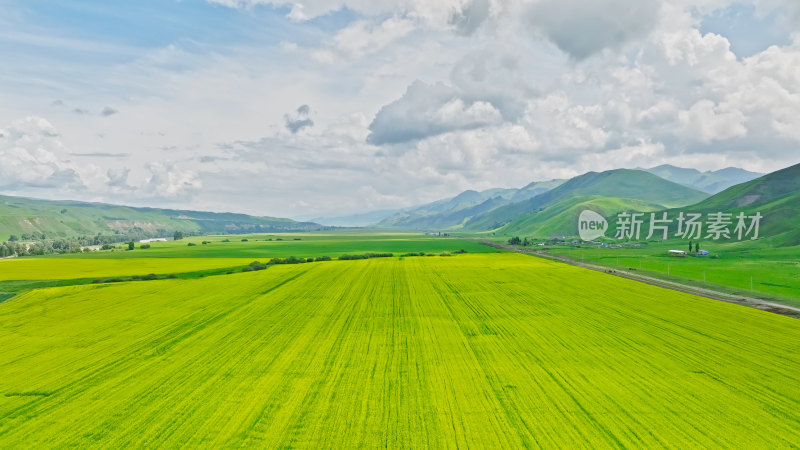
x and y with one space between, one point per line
560 218
620 183
65 219
775 196
757 192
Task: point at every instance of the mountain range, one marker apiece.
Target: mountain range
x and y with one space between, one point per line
539 209
775 196
455 212
495 209
65 219
711 182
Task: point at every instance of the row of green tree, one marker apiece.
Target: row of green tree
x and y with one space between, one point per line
366 256
517 241
36 243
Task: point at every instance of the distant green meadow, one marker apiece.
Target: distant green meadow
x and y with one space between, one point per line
298 244
494 350
773 272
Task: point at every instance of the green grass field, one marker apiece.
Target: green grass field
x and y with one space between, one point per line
775 272
494 350
300 244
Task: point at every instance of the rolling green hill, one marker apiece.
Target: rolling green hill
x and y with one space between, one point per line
619 184
65 219
560 218
776 196
761 191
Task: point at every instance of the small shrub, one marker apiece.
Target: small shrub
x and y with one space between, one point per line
298 239
365 256
247 269
191 244
114 280
147 277
257 265
309 259
459 252
106 247
144 246
445 254
244 240
351 257
289 260
323 258
226 240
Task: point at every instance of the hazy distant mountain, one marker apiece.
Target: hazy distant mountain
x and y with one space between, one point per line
461 201
356 220
710 181
534 189
453 211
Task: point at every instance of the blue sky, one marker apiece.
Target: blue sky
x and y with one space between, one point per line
748 30
310 108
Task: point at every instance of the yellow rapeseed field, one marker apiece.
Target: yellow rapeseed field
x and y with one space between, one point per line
65 269
496 350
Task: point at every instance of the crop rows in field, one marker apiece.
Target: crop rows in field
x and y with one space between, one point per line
63 269
498 350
